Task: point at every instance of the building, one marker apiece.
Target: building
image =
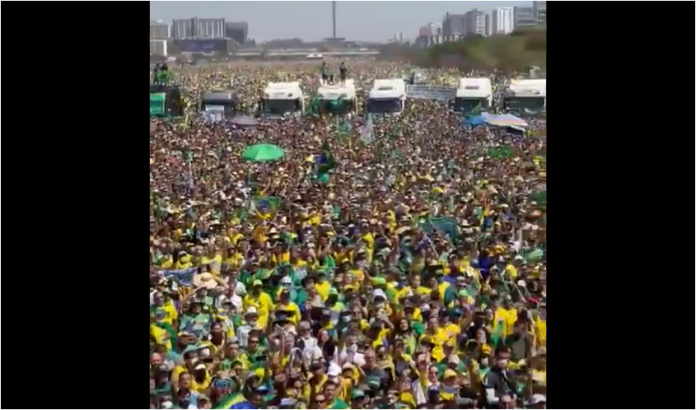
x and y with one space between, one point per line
474 23
426 31
539 11
158 30
523 17
502 20
182 28
158 48
453 25
237 31
488 25
198 28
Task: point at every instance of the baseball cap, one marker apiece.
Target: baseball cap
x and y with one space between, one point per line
357 394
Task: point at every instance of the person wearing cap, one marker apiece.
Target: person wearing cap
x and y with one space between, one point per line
358 399
251 322
260 301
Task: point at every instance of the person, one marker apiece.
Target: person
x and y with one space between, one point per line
324 73
343 71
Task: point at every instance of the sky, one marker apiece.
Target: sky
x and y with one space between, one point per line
311 20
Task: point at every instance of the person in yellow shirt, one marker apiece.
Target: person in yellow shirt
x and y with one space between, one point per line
285 305
437 337
322 286
213 259
162 310
233 258
317 378
184 261
449 322
415 284
261 300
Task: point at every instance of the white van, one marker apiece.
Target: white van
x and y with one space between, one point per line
473 93
387 96
283 98
527 95
330 95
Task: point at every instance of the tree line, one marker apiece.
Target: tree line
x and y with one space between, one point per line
513 52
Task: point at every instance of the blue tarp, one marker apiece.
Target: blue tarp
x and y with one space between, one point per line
494 120
473 120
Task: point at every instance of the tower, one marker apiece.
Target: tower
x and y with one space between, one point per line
333 17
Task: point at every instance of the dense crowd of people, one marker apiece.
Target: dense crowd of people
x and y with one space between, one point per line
403 271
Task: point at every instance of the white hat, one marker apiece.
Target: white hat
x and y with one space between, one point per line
251 310
379 293
334 370
204 280
521 283
286 280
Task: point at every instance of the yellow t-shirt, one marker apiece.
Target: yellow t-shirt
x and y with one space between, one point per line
161 335
170 313
439 339
215 262
323 289
284 258
345 390
291 307
321 380
263 304
540 330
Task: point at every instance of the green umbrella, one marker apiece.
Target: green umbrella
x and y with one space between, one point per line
263 152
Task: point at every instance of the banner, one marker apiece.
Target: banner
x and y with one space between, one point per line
446 225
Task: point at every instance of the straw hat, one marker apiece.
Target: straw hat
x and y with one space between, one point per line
204 280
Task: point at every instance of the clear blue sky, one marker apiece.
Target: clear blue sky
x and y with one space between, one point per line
356 20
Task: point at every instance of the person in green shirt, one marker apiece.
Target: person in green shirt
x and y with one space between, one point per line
333 402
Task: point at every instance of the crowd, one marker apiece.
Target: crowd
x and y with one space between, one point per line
412 274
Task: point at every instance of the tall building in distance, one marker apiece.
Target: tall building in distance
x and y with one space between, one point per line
158 48
198 28
237 31
158 30
502 21
489 27
474 23
453 25
523 17
539 11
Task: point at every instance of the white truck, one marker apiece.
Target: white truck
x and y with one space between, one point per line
473 94
283 98
337 98
387 96
527 96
